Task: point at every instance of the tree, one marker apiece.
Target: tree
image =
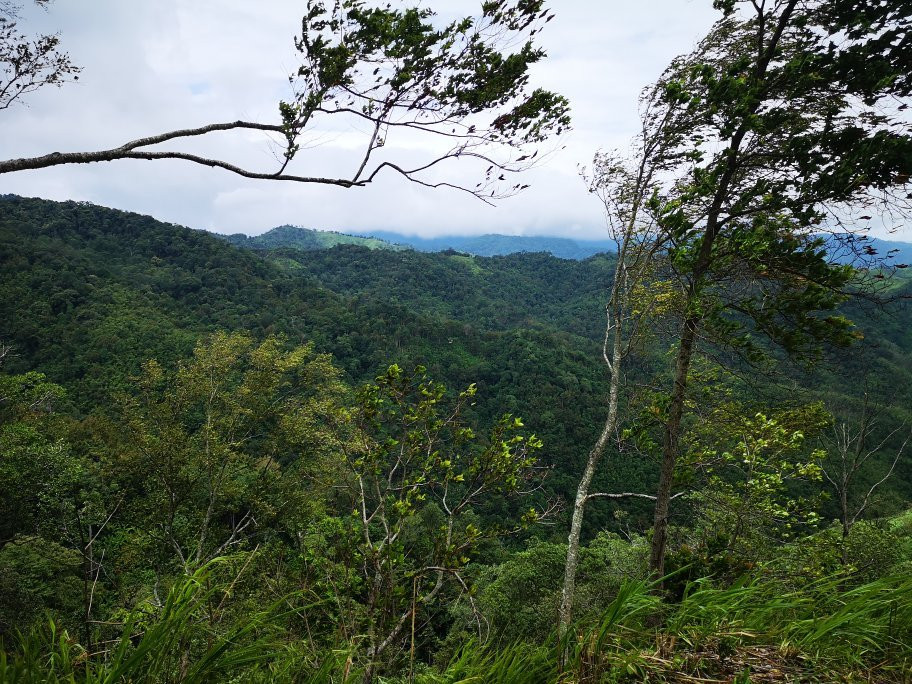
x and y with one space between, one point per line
37 468
50 495
416 476
398 72
849 452
624 185
211 449
751 465
37 575
792 122
29 65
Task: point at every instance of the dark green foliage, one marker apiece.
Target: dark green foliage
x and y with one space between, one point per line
208 448
38 575
496 322
37 470
109 291
520 596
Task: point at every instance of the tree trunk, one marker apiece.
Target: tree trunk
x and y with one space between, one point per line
565 614
617 302
670 448
846 523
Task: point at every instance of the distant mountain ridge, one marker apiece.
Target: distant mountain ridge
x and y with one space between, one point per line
296 237
493 244
891 252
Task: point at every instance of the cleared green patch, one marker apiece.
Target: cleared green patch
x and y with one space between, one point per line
469 261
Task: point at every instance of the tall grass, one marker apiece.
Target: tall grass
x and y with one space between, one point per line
822 620
477 663
824 627
714 631
177 644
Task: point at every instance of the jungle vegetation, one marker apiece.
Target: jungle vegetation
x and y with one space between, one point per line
328 462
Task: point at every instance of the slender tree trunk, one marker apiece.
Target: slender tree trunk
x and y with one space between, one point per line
617 307
670 447
846 523
686 343
565 614
87 562
618 314
766 51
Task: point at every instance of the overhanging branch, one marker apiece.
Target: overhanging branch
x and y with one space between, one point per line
628 495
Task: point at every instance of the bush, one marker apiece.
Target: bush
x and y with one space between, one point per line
37 575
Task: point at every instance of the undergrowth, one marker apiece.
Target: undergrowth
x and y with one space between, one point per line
754 630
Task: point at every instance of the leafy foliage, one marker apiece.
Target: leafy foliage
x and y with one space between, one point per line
27 65
287 441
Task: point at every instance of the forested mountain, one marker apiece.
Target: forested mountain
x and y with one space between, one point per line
109 290
89 295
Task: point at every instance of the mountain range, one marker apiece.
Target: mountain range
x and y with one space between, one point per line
494 244
477 245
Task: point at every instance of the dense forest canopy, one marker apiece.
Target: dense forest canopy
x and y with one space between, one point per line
111 293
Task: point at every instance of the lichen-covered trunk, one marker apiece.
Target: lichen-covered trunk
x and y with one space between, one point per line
565 612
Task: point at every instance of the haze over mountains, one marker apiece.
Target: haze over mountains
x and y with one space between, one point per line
478 245
501 245
493 244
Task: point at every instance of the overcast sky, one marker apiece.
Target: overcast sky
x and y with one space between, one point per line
153 65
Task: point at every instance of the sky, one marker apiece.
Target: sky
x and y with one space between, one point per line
150 66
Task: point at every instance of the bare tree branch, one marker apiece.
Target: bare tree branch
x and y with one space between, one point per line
464 81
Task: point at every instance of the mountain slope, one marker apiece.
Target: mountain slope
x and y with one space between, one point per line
88 293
